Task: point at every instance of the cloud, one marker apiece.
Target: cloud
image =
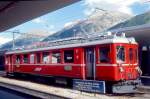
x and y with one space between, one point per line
4 40
68 24
124 6
45 24
72 23
41 32
38 20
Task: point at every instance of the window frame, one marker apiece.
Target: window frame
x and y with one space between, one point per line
49 61
52 52
16 59
132 53
33 57
27 59
109 54
124 53
38 59
7 59
136 55
72 57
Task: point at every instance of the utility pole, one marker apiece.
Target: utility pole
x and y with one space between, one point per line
13 39
13 34
74 33
20 33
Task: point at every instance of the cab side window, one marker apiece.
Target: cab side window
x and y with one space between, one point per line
104 54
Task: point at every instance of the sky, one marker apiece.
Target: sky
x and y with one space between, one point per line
55 21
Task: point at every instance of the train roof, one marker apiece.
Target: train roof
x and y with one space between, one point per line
77 42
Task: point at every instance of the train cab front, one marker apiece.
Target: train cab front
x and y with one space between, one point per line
118 66
128 68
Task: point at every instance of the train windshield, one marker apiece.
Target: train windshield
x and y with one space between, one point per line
120 54
131 55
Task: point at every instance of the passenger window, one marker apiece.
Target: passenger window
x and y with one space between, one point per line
56 57
46 57
69 56
18 59
25 58
104 54
32 58
130 55
38 57
7 60
120 54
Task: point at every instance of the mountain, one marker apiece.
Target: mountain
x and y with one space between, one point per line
97 22
26 39
134 21
19 42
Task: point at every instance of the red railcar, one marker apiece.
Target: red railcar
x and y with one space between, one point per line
110 58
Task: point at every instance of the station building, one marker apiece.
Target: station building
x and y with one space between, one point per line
13 13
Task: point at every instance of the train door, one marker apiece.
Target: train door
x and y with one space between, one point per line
10 66
90 62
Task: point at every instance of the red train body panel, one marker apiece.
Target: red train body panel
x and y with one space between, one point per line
108 59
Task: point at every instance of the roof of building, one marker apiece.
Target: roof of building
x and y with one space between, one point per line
16 12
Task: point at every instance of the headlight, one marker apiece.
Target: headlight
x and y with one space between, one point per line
121 69
138 70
